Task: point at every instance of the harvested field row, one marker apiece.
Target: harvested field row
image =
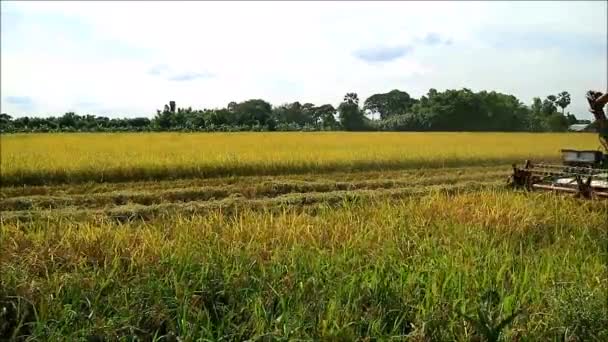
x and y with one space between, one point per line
228 204
89 188
249 190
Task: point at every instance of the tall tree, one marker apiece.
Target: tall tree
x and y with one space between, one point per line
351 98
549 107
68 120
351 117
163 119
537 106
5 122
308 113
395 102
253 112
325 115
556 122
563 100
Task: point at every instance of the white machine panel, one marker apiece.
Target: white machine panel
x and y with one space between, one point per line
579 156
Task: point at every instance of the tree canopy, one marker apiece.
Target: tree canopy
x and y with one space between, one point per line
392 103
396 110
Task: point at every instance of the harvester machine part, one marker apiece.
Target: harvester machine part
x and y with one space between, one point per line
597 101
521 178
585 182
584 188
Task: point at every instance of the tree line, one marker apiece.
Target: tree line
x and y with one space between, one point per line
450 110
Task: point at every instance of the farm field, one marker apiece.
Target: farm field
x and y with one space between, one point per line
294 236
74 158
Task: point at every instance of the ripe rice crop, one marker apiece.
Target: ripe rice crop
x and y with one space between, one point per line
72 158
378 269
294 236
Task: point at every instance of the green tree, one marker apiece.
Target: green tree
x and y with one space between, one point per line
351 117
548 107
501 112
179 119
571 119
403 122
394 102
68 120
452 110
563 100
449 110
535 118
537 106
325 115
556 122
5 122
308 114
252 112
138 123
163 119
217 117
295 113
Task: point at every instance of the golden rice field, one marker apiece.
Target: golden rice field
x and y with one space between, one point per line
67 158
294 237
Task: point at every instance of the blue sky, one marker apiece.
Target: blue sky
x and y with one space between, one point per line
130 58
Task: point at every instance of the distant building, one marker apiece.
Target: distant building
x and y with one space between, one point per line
582 128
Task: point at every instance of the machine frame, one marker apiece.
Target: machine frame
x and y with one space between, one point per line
583 173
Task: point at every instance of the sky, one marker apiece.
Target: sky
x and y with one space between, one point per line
127 59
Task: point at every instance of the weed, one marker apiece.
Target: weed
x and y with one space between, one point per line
488 322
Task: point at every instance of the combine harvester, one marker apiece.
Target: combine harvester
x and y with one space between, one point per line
582 173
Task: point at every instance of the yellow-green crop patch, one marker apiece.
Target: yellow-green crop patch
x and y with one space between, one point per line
299 236
71 158
405 269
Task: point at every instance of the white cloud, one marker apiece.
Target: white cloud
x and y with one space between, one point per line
65 54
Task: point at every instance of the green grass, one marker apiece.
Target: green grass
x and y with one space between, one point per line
376 268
